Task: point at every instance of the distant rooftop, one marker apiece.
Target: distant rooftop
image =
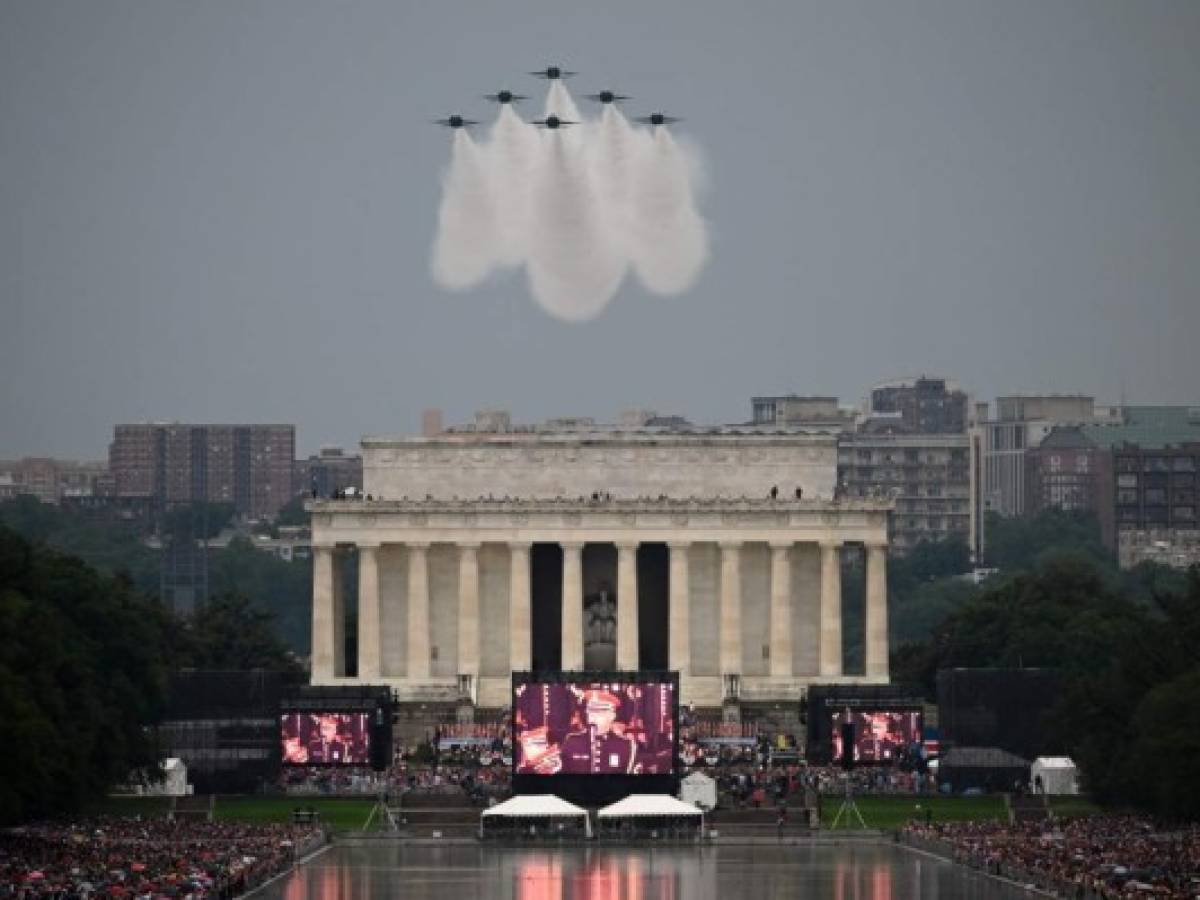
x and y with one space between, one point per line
1148 426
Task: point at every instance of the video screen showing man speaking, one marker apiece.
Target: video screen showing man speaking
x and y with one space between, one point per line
325 739
880 738
594 728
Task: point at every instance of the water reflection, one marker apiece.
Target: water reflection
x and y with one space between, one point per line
851 871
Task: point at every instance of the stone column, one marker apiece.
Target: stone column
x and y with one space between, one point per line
627 608
468 609
418 612
339 615
781 608
369 631
519 607
831 607
322 613
877 612
731 608
679 624
572 606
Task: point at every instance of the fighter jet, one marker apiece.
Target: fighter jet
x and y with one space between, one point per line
504 97
607 97
658 119
550 73
553 122
455 121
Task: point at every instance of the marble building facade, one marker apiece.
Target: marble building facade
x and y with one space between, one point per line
483 553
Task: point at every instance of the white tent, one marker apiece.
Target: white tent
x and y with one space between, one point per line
642 805
1058 773
174 781
699 790
537 806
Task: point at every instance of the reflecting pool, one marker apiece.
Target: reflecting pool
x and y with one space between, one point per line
854 870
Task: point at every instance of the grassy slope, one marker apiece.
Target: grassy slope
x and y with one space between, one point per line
894 811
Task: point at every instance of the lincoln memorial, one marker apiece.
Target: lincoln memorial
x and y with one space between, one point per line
712 551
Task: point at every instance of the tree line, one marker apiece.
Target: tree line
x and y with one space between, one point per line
1124 642
84 661
111 544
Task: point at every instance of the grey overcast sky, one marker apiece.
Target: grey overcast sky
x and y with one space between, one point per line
222 210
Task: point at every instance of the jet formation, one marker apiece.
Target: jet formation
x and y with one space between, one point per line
556 73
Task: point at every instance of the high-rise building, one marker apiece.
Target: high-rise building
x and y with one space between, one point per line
914 447
922 405
1155 507
1065 471
250 466
1136 469
1021 423
928 476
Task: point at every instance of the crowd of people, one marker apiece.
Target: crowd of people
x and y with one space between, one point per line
145 858
449 775
1093 857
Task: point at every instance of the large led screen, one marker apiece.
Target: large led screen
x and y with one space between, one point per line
325 739
880 737
594 728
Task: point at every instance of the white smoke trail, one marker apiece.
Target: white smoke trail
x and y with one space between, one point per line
670 239
513 151
559 102
617 150
464 251
577 206
575 267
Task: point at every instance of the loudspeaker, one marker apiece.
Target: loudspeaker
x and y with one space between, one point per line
381 739
847 745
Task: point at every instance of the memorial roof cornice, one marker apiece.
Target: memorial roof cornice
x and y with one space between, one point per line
583 504
690 437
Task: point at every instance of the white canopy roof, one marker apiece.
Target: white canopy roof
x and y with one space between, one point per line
535 806
648 805
1054 762
699 778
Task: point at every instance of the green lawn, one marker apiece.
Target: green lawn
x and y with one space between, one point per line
894 811
338 813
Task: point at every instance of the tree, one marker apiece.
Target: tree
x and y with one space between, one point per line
293 513
1166 749
929 561
82 673
1019 543
282 587
277 586
198 521
230 632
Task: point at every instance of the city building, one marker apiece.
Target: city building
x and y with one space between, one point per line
1155 507
1065 471
921 405
1021 422
250 466
713 551
1135 469
929 478
51 480
793 410
1146 499
328 472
